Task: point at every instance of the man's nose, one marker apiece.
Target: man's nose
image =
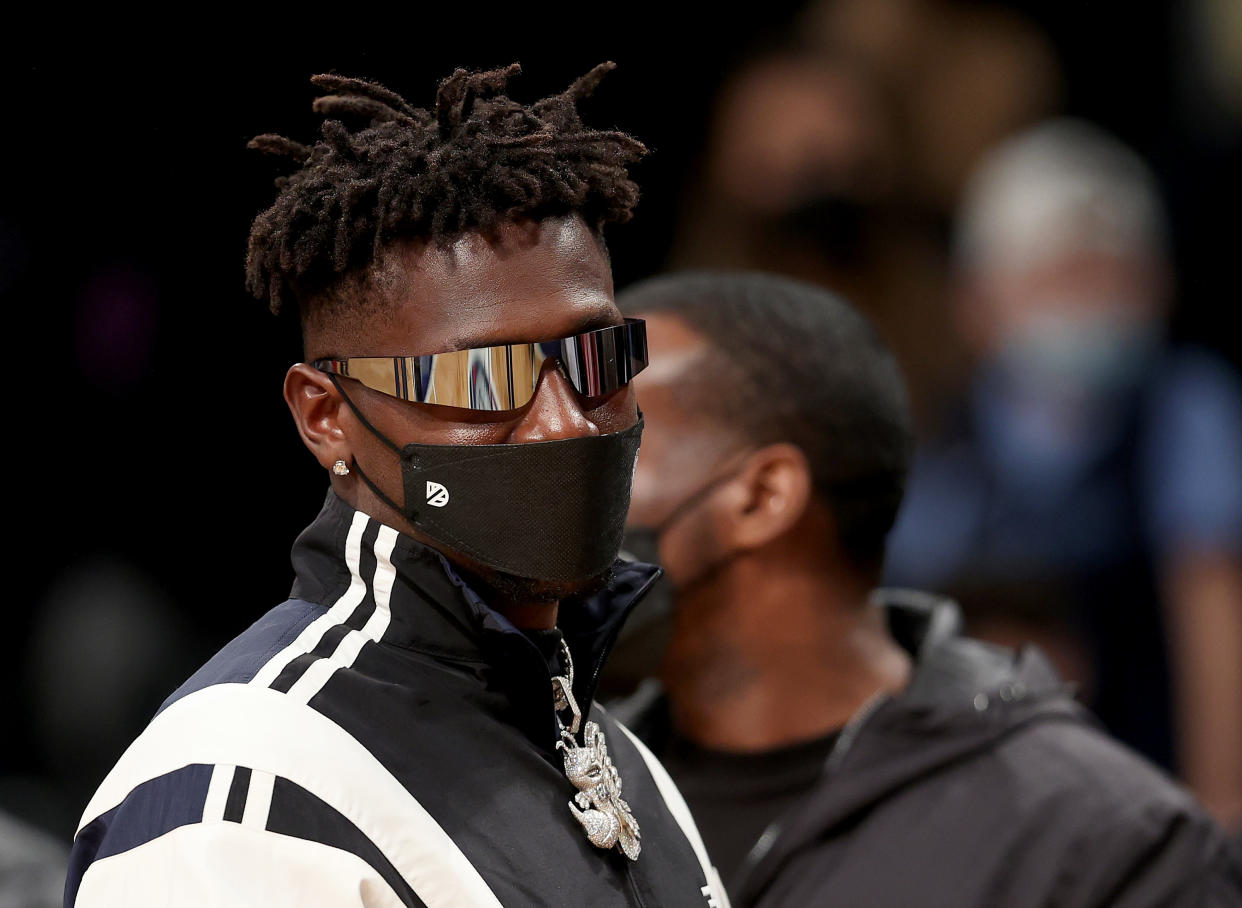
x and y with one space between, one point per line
554 412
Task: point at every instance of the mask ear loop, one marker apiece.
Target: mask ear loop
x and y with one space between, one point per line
684 508
358 413
379 493
688 503
392 446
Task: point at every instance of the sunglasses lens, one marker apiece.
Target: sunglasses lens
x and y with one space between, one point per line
602 361
486 378
504 377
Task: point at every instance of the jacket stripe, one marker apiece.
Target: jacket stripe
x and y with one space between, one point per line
271 803
258 799
337 614
218 793
155 807
385 579
227 864
257 727
239 790
244 655
331 637
676 805
296 812
297 667
317 675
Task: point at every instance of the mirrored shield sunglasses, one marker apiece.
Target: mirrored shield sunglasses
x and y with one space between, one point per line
503 377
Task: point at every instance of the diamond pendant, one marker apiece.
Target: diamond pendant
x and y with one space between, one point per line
598 805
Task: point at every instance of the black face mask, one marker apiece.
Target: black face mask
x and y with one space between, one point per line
547 510
640 647
643 542
836 224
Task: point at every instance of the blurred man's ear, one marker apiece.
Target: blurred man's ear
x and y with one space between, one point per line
768 497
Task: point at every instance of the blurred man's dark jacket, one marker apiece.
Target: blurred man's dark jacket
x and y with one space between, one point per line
982 784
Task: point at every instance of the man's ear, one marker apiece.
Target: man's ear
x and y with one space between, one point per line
768 497
316 406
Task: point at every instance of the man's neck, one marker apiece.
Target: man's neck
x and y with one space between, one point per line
768 655
535 616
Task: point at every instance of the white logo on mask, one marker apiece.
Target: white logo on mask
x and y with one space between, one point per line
437 495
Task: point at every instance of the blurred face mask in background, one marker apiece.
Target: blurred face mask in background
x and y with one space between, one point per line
1078 350
643 541
837 225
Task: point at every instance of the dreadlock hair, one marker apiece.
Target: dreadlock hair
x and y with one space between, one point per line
383 169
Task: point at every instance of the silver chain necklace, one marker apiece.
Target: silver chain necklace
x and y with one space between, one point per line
598 805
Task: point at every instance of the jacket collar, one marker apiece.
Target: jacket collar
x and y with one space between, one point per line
963 696
436 611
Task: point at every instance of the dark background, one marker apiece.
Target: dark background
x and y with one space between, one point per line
144 422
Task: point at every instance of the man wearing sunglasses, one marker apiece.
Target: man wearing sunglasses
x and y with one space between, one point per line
415 726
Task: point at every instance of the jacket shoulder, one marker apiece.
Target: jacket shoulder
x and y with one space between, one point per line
247 654
250 784
1074 762
667 828
1132 831
1052 812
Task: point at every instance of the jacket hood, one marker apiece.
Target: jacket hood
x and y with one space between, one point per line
963 696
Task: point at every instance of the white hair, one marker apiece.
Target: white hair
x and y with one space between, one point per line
1062 186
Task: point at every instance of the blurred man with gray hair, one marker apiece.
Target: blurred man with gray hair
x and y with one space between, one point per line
1089 492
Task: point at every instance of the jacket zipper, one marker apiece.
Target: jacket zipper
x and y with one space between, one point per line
845 740
598 667
628 868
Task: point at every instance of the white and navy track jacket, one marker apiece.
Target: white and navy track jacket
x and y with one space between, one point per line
382 738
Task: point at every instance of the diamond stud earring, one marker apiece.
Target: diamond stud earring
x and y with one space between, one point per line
340 468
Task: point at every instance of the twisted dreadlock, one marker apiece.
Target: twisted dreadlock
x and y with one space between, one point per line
475 162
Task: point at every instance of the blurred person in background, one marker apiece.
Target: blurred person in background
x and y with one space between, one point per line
802 175
108 645
32 866
839 746
957 75
1089 492
836 156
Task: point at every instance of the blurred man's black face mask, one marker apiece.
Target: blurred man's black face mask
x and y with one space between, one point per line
837 225
549 510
